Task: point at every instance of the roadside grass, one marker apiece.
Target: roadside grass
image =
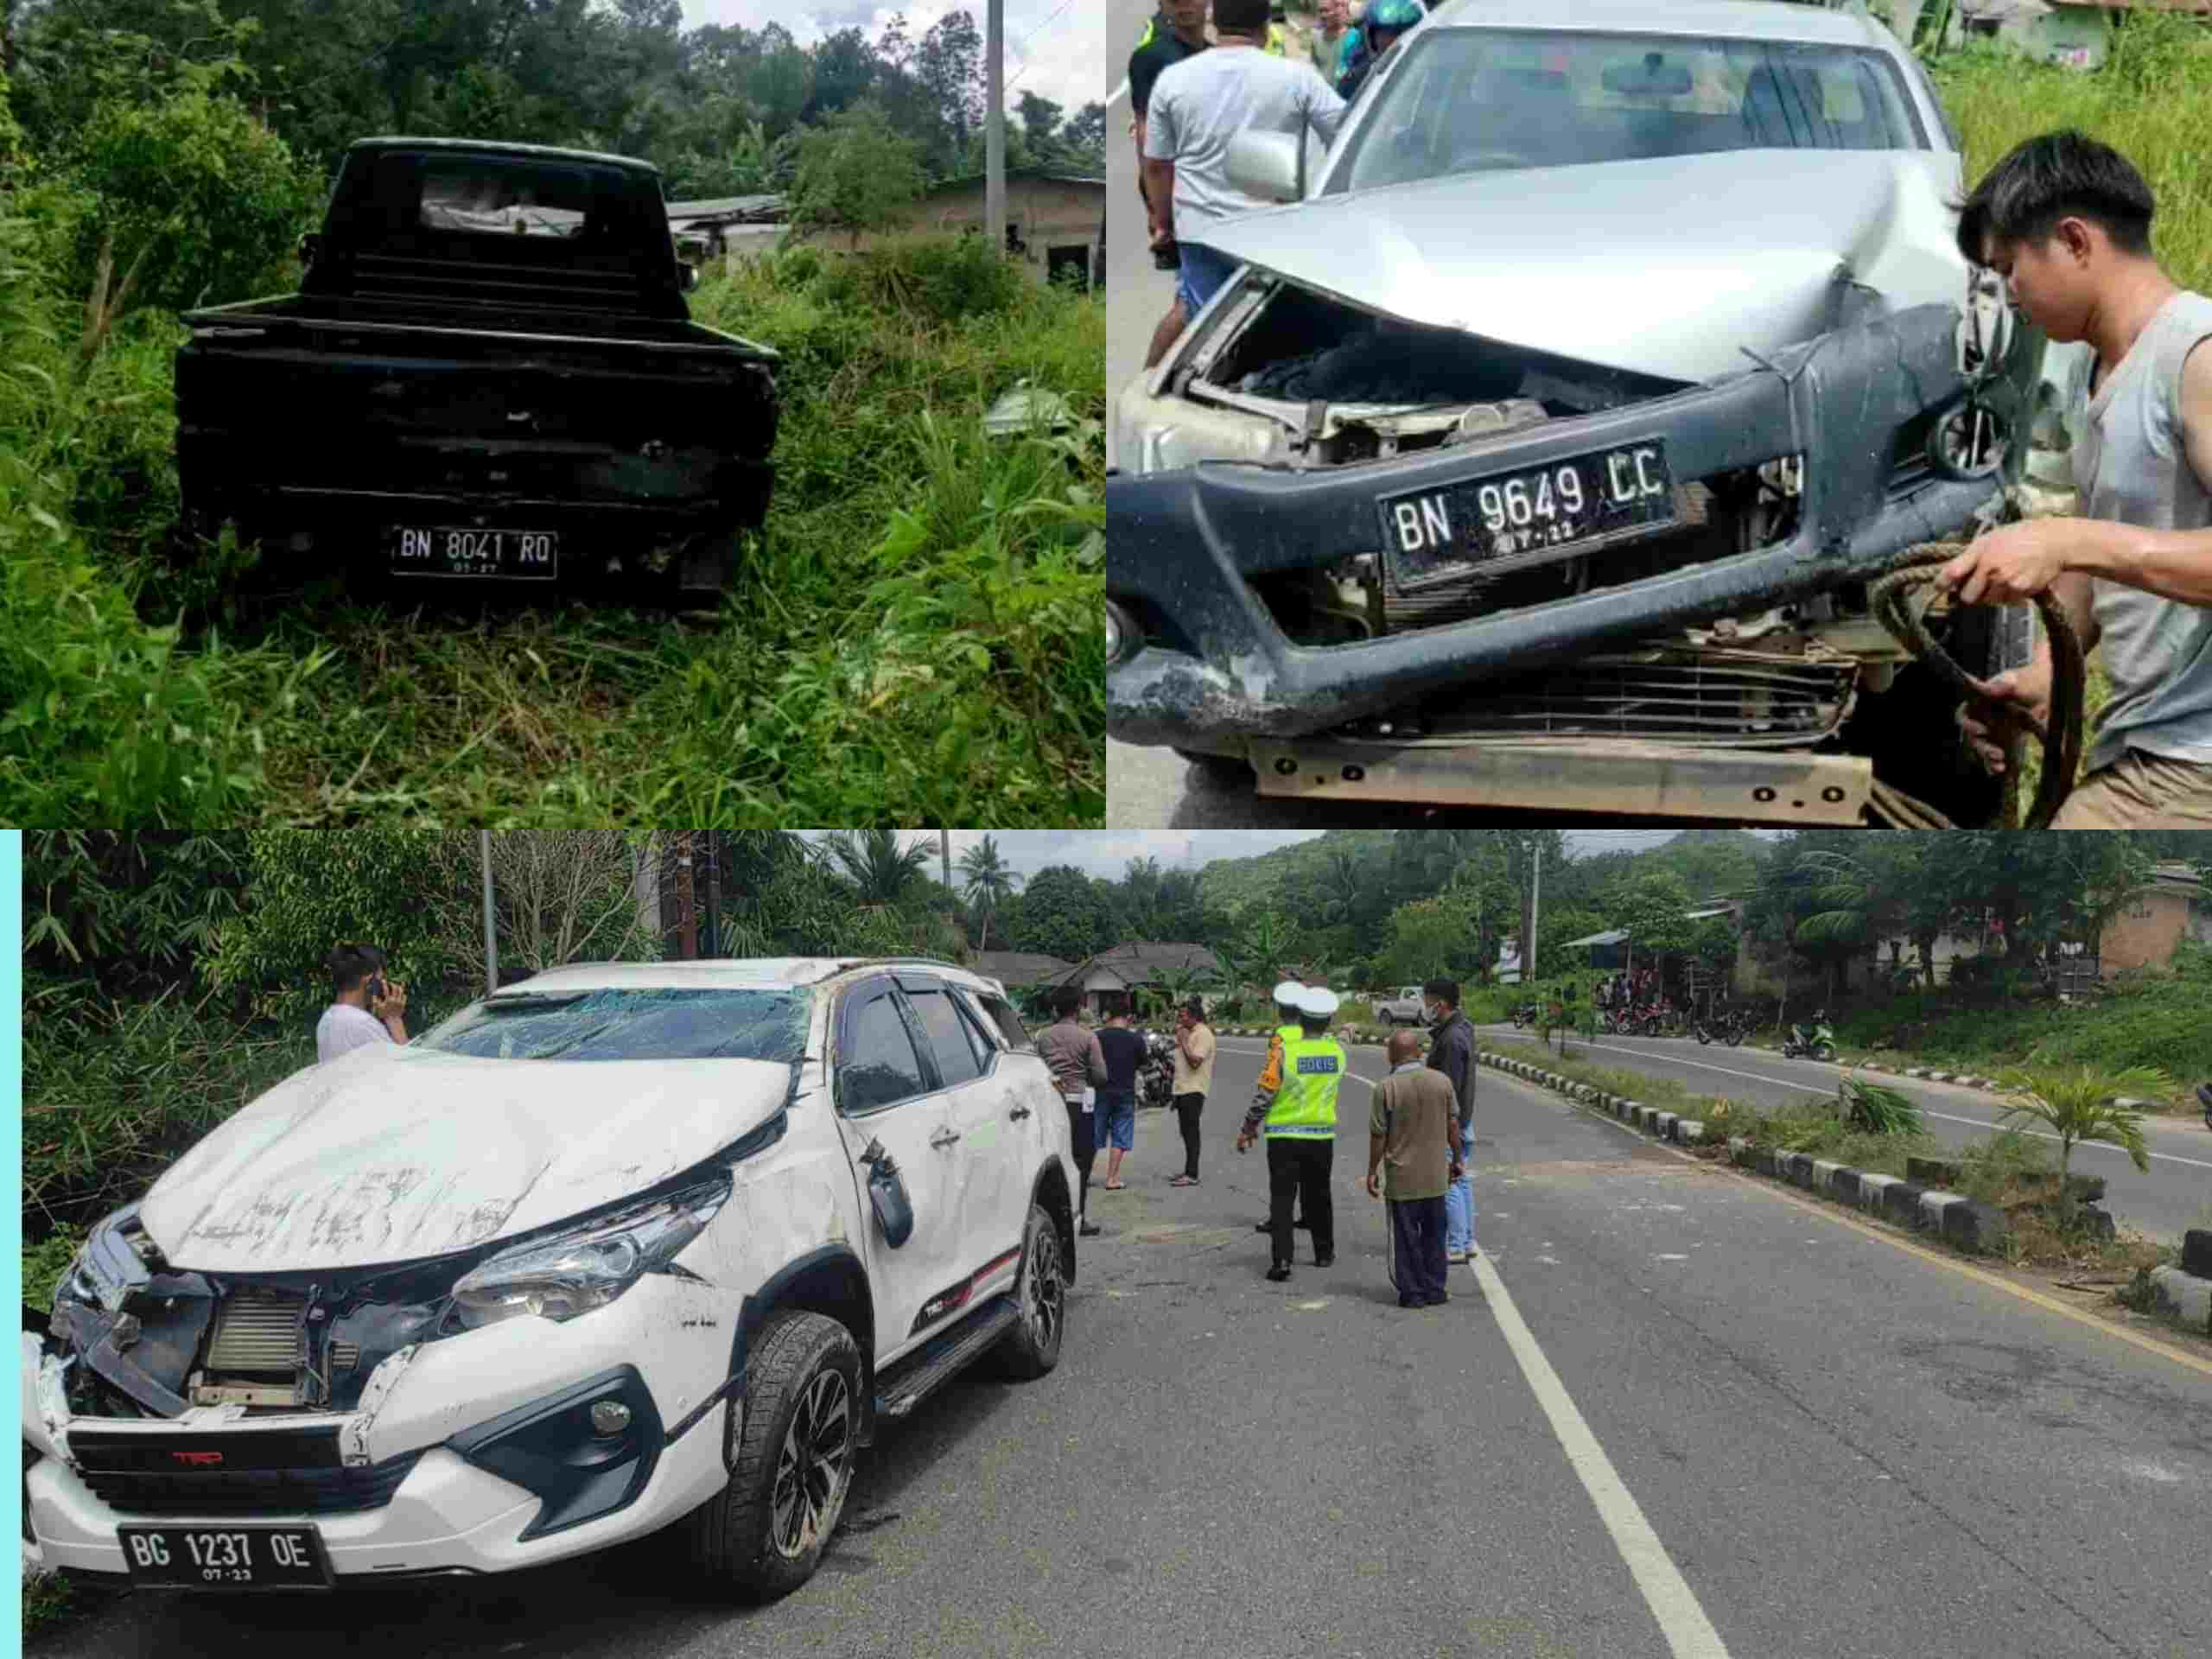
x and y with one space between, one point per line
114 1092
2147 101
2004 1168
912 640
2138 1020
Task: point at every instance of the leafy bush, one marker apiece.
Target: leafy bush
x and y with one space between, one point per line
114 1092
1875 1108
44 1264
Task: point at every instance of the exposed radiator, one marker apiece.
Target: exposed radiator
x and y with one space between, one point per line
257 1331
1737 700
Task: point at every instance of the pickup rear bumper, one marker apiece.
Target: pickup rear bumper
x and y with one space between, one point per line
1213 669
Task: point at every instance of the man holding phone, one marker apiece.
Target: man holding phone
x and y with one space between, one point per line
368 1008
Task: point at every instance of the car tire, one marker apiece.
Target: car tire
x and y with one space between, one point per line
1032 1347
762 1536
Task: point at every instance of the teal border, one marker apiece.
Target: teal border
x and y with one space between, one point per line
11 1130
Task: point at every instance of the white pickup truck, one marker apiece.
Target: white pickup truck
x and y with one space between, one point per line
1403 1008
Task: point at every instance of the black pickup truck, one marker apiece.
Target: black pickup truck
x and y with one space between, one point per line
489 379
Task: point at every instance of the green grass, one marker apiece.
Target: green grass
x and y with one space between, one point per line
2148 102
913 639
2147 1021
114 1092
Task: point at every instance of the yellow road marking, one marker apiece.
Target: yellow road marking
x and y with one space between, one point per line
1834 1213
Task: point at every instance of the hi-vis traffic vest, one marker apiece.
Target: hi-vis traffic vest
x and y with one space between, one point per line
1305 1105
1289 1034
1278 42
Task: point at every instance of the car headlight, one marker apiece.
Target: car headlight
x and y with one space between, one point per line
574 1272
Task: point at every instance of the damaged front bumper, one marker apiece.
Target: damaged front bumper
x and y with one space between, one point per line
473 1453
1209 667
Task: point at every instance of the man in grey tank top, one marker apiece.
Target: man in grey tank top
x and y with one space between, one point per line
2066 222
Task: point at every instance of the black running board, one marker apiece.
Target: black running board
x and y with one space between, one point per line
943 1357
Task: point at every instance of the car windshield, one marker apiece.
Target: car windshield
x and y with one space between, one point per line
1485 100
632 1024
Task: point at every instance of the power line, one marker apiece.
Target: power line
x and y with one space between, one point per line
1023 48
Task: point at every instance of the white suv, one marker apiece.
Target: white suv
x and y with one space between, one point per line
620 1246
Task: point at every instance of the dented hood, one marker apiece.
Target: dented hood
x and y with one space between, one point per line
391 1153
1668 267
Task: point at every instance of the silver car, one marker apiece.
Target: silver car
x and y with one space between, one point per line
1542 450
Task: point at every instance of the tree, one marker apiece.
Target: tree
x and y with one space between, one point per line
558 896
855 175
1084 136
875 863
988 883
2080 1102
134 914
1654 910
310 890
1064 915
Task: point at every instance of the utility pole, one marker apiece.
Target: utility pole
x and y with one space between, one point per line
491 929
687 922
994 127
1536 899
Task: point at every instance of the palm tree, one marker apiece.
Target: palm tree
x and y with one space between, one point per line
1266 941
2079 1102
1179 984
987 881
874 862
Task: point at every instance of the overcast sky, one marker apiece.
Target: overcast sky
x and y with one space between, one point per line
1108 852
1054 48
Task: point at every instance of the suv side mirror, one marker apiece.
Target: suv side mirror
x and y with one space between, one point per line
687 275
1269 165
310 248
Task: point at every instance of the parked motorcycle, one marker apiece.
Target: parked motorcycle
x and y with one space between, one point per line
1156 1080
1524 1015
1727 1025
1819 1045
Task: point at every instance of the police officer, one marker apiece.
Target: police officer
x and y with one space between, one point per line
1286 1031
1298 1122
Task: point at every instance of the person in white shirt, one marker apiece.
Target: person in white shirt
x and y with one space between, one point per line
369 1008
1197 107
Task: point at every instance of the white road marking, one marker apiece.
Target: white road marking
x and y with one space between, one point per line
1949 1117
1689 1633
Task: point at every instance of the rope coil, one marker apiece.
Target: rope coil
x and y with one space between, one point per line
1890 597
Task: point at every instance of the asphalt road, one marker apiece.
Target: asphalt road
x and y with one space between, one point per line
1673 1411
2173 1195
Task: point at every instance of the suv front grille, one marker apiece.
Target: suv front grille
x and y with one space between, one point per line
1738 700
253 1491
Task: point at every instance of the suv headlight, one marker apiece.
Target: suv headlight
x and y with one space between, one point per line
573 1273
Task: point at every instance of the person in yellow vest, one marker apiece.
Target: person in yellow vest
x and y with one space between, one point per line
1298 1122
1286 1031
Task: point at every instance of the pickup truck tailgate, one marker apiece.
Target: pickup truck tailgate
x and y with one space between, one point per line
314 402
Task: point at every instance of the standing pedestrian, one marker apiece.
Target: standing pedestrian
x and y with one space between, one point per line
1413 1138
1197 106
1286 1030
1076 1063
1177 32
1299 1122
1327 41
2066 222
1451 1051
1123 1049
365 1007
1194 1047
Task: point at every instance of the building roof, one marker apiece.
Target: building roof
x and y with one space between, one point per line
1138 962
1614 937
1021 967
734 208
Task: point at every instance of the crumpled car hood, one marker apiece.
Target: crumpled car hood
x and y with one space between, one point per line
1668 267
388 1154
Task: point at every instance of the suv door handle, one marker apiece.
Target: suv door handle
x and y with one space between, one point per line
944 1137
1018 1113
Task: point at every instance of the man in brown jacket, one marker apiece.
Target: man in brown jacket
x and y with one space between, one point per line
1072 1051
1413 1138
